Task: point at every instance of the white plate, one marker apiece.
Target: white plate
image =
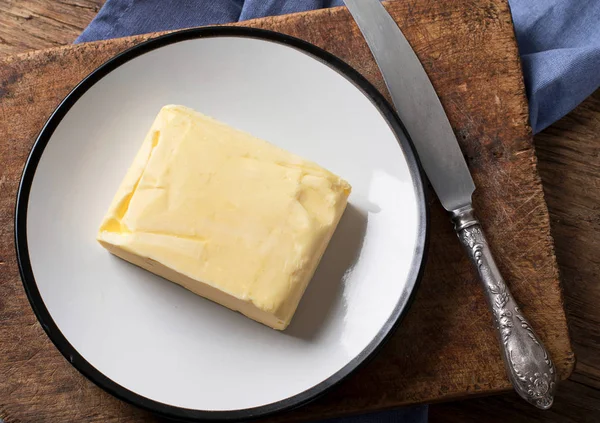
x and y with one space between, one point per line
159 346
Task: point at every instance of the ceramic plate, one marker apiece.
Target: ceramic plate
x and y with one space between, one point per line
151 342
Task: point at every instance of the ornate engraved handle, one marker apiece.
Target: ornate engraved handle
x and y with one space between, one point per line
528 364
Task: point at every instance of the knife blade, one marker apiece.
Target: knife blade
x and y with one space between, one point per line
527 361
417 104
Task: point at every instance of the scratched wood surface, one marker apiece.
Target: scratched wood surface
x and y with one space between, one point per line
445 348
569 164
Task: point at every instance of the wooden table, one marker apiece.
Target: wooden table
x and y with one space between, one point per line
569 164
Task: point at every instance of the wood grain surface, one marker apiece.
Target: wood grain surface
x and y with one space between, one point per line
569 164
36 24
445 348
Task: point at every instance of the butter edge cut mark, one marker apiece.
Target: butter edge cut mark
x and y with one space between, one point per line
113 219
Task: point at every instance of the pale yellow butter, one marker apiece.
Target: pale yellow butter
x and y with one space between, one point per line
224 214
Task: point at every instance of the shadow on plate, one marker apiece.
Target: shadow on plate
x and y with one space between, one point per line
324 293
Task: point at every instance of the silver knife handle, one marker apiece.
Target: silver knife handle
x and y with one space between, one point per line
527 362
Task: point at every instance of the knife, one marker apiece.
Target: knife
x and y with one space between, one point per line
527 361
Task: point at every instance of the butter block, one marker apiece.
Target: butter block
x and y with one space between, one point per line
224 214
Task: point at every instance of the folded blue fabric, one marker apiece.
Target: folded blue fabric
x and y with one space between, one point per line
559 40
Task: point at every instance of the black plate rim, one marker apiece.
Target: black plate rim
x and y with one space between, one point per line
170 411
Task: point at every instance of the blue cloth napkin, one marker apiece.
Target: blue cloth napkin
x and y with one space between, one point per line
559 40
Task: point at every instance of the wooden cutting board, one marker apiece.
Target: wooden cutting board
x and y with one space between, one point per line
445 347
